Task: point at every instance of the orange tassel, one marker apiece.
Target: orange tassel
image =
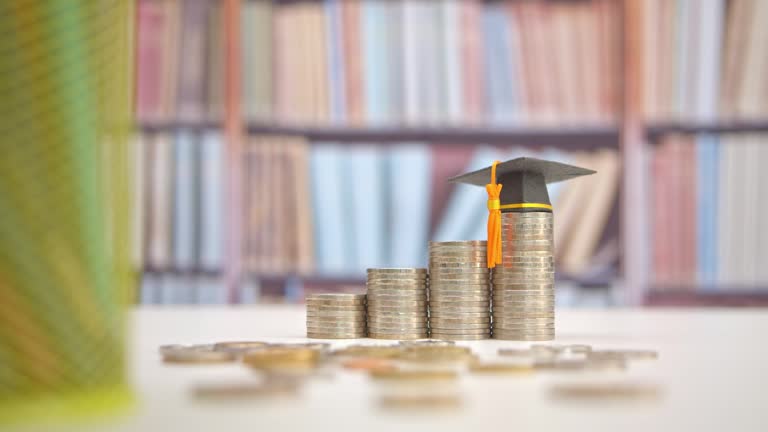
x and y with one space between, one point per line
494 219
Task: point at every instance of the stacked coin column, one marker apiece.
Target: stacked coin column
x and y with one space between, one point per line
397 303
459 290
523 285
336 316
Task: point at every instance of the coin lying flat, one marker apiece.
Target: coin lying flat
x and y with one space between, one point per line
326 335
193 355
414 375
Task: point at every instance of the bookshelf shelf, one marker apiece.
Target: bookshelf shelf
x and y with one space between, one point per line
568 137
655 131
706 296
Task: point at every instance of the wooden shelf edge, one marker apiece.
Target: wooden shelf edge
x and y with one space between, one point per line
655 130
707 296
589 136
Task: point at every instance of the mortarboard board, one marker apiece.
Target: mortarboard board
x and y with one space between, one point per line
525 181
524 189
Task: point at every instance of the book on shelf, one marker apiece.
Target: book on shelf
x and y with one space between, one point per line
330 210
708 192
385 63
704 61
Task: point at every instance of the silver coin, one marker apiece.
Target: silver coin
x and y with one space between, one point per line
349 313
453 265
475 258
460 296
345 303
457 315
452 271
480 320
527 266
398 297
465 331
525 326
392 329
460 290
322 335
396 310
449 283
520 333
439 255
397 320
394 303
337 324
335 319
397 282
465 277
404 270
526 215
341 297
401 336
462 309
441 302
464 326
458 300
458 243
459 337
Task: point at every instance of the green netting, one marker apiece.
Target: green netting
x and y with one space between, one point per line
65 114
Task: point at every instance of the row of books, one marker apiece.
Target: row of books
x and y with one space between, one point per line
705 60
333 210
709 192
377 62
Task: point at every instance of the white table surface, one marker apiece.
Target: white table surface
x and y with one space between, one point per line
712 372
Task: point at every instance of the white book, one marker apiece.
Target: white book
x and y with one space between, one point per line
184 217
709 49
212 202
162 195
726 241
409 175
412 103
750 167
364 170
451 58
683 58
761 229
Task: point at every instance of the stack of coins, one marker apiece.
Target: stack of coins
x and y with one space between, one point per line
523 284
397 303
336 316
459 290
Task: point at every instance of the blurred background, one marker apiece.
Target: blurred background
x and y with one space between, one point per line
283 147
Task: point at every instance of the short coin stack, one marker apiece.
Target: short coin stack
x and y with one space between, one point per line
336 316
397 303
523 284
459 290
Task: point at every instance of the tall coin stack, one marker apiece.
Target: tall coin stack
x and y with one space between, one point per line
459 290
336 316
523 285
397 303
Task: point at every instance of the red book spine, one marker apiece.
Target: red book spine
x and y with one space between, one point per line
151 25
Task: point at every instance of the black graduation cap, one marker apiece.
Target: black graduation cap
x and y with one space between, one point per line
524 182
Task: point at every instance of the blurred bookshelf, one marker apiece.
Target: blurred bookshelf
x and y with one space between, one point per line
287 86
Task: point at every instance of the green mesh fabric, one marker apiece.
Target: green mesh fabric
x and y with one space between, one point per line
65 115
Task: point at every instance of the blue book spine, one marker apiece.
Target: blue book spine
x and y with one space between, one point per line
330 215
707 149
374 61
184 205
335 36
365 168
409 175
212 202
